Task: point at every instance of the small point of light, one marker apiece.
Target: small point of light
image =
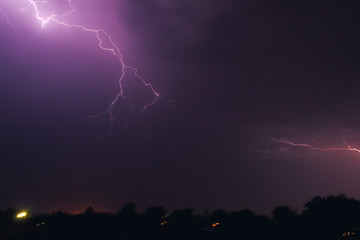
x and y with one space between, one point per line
215 224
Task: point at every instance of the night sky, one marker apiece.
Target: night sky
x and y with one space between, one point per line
231 76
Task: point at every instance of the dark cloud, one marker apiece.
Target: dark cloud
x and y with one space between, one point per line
283 60
240 72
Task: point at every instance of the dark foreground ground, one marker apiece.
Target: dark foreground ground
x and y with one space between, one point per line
333 217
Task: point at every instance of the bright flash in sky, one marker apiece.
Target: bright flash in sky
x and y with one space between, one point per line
21 215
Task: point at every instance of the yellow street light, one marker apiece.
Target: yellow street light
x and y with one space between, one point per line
21 215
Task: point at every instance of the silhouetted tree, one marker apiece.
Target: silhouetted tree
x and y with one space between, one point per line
239 223
330 216
284 215
263 227
153 217
287 223
218 215
184 220
129 209
89 211
128 217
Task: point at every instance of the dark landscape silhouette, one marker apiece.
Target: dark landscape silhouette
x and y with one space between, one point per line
331 217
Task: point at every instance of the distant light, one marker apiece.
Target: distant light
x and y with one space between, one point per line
215 224
21 215
40 224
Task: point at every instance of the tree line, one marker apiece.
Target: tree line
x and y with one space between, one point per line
331 217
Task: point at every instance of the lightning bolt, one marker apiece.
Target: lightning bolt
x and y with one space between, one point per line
5 18
101 36
347 147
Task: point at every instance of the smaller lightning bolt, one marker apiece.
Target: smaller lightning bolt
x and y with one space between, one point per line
5 18
347 147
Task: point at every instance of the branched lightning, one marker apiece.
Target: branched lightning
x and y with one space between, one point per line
101 36
347 146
